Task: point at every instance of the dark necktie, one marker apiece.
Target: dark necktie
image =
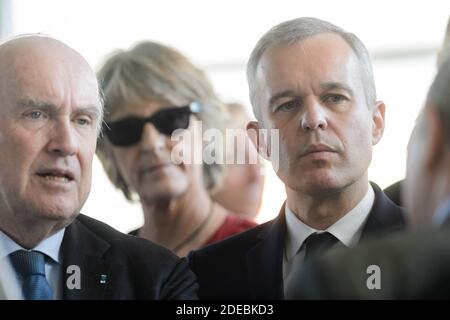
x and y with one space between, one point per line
31 266
318 243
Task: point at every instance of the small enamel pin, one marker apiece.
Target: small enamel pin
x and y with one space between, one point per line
103 278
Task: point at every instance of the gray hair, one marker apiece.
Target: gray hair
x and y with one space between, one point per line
439 95
154 72
296 30
40 38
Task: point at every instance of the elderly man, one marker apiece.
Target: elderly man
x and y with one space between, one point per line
313 82
50 115
406 266
9 288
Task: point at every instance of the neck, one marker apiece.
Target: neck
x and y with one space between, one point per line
184 223
30 233
320 211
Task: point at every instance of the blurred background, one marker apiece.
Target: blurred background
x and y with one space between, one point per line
402 36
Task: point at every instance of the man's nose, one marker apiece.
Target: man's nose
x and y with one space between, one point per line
314 117
63 139
152 139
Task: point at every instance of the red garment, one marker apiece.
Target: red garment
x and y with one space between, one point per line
232 225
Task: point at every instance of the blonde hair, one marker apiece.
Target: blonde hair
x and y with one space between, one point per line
154 72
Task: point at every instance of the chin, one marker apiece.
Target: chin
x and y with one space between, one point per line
57 213
318 182
166 193
321 188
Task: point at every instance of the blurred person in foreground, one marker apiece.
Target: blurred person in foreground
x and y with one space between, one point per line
394 191
50 116
156 102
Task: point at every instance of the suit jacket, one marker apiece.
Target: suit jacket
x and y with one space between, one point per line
394 192
411 266
249 265
113 265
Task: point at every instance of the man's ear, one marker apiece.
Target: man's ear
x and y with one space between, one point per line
435 139
258 140
378 122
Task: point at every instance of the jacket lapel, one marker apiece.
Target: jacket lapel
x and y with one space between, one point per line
385 216
83 253
265 261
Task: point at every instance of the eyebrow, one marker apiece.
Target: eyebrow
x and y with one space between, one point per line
92 110
337 85
34 103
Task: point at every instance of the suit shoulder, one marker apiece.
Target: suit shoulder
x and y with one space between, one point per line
235 245
407 264
143 269
130 245
384 217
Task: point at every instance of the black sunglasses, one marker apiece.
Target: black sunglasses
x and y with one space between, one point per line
128 131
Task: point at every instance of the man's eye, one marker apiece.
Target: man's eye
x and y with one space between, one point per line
83 121
35 115
288 106
334 98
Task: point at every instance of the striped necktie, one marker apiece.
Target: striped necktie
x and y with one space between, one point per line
31 266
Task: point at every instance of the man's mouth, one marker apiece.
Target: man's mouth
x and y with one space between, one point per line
56 175
318 148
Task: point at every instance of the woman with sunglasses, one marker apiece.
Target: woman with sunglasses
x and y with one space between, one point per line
150 92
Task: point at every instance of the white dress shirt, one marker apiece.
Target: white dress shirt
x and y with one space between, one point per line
347 230
50 246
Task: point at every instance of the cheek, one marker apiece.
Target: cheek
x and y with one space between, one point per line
18 159
19 154
282 152
289 139
357 136
126 161
191 170
88 153
236 176
86 167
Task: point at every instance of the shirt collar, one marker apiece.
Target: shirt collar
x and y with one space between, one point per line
49 246
297 232
347 229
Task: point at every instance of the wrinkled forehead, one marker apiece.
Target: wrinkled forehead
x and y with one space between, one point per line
60 80
323 56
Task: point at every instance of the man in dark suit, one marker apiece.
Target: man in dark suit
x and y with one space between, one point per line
8 287
411 266
394 192
50 117
311 86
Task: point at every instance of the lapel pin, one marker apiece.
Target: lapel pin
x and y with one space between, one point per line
103 278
